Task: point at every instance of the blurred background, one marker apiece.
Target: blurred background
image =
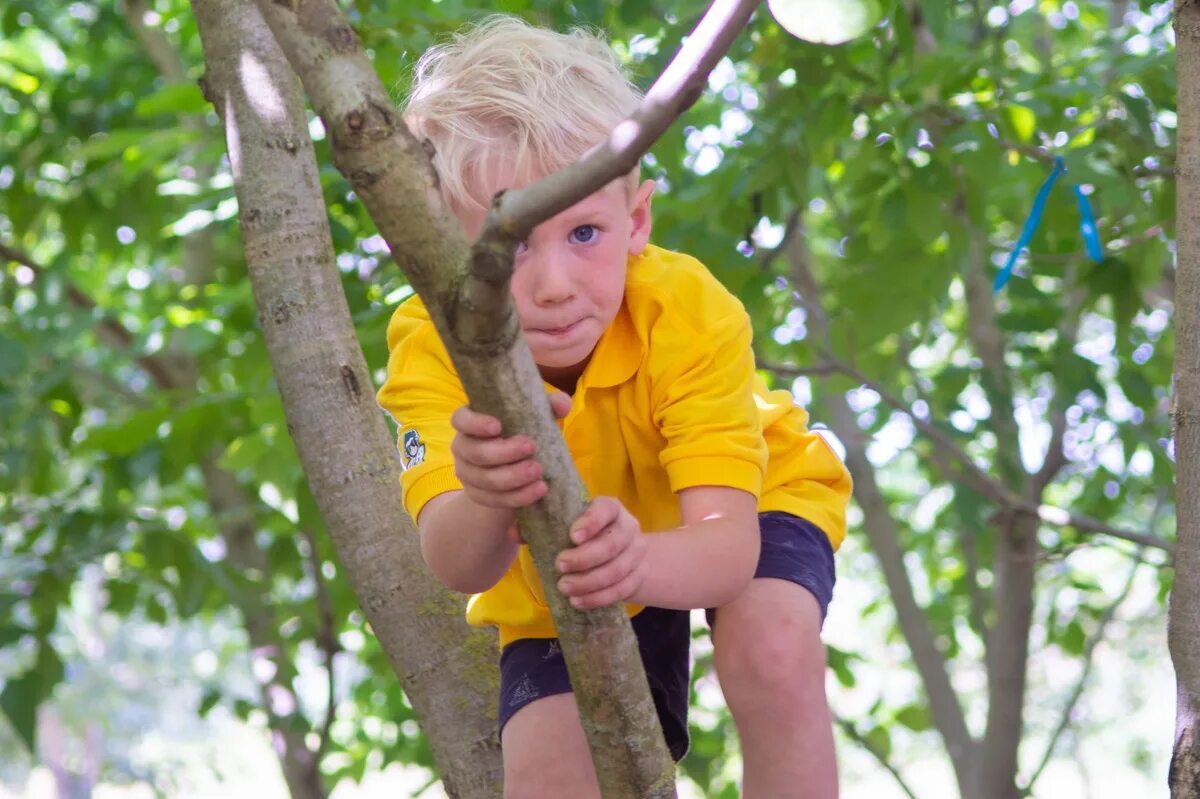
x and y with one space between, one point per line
859 197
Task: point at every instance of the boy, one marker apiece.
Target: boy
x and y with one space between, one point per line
709 491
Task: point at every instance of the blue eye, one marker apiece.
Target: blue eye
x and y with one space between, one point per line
583 234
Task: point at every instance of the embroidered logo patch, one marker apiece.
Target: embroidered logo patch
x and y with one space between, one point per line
412 452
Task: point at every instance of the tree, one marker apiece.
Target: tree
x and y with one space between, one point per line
903 163
1185 596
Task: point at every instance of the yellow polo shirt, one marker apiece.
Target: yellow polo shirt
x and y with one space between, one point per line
670 399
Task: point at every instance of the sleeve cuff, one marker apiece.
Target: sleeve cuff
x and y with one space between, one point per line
427 485
715 470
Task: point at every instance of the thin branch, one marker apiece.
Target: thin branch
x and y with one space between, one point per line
160 50
679 86
515 213
847 727
1087 524
978 479
1081 684
327 636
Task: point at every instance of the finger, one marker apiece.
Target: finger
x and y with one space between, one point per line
620 592
519 498
498 479
595 552
601 577
602 512
472 423
488 452
560 403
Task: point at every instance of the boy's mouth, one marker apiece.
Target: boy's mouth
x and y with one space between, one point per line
557 331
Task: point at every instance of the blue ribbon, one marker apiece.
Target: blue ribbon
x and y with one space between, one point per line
1087 224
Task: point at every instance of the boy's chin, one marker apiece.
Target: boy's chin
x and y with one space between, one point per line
561 365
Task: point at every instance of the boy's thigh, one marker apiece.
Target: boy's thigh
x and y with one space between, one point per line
546 752
794 552
533 669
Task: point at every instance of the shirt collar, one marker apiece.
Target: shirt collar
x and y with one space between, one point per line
618 353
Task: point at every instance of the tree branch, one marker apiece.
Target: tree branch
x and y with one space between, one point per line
469 303
159 49
515 213
851 731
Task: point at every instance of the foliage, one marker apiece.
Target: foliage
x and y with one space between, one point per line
898 158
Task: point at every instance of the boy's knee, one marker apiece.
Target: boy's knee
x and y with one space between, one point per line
546 754
785 664
780 665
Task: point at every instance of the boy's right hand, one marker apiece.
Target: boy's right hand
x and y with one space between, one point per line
495 471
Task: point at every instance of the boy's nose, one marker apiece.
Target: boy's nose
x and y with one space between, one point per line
551 283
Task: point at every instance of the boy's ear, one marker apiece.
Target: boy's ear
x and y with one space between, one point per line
640 217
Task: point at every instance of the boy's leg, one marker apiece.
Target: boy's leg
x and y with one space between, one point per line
771 665
546 753
544 746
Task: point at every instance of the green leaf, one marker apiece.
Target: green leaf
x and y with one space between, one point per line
128 436
880 740
1073 638
176 99
1022 120
208 701
19 702
915 717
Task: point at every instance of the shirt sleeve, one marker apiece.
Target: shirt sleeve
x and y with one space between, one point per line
702 367
421 392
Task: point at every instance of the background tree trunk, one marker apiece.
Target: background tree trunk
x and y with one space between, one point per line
1183 632
448 671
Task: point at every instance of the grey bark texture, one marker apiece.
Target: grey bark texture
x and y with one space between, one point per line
467 294
447 670
1183 627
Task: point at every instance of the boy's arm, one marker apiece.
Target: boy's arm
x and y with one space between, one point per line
469 536
706 562
468 546
710 559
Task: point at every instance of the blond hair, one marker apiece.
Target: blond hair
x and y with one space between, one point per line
506 98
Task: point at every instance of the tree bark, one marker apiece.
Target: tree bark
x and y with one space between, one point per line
448 671
467 294
1183 633
1007 643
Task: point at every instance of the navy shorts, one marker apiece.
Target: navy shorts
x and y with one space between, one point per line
793 549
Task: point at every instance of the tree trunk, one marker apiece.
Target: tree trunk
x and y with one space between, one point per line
448 671
229 504
1183 634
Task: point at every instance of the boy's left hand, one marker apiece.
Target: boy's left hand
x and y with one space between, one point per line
607 563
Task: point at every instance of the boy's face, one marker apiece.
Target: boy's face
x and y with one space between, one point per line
569 276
